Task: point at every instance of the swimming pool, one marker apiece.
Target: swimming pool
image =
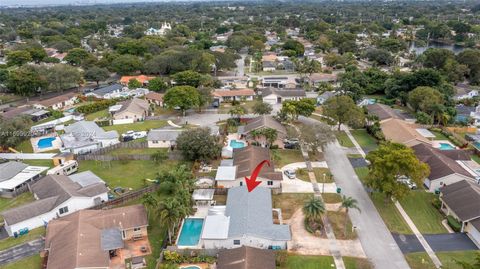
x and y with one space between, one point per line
191 230
236 144
45 142
191 267
446 146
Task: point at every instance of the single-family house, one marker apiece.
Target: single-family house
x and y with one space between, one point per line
244 162
56 196
463 91
316 79
383 112
86 136
460 200
463 113
98 239
225 95
263 122
246 258
132 110
269 66
278 82
106 92
400 131
60 102
124 80
475 115
162 138
444 170
322 98
277 96
14 177
154 98
246 220
238 82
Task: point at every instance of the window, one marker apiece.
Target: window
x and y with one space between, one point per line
63 210
236 242
155 142
241 183
136 229
270 183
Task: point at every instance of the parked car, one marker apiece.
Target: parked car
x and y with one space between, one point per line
294 141
140 134
131 135
411 185
290 173
291 146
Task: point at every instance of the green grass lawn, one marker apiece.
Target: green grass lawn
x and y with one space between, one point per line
331 198
362 173
283 157
33 262
48 163
127 151
25 147
343 139
356 263
318 171
439 135
421 260
418 205
98 115
137 126
390 215
289 202
337 220
307 262
126 174
364 139
226 106
476 158
12 241
7 203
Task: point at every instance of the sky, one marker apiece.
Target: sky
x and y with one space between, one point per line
69 2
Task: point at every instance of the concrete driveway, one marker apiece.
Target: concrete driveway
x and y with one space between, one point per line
299 186
438 242
21 251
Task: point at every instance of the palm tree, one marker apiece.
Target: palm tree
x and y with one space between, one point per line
313 209
149 201
347 203
270 135
237 111
170 214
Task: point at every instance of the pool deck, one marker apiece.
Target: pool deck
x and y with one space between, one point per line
56 144
438 143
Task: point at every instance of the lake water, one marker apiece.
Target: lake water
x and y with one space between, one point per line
433 44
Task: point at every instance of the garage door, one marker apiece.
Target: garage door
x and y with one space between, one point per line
270 100
474 234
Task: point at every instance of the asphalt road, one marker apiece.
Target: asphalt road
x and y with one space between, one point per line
409 243
377 241
21 251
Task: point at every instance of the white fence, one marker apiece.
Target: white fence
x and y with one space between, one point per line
27 156
122 121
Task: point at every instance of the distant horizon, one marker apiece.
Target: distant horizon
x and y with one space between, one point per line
39 3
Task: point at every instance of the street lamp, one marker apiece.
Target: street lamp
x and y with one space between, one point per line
323 185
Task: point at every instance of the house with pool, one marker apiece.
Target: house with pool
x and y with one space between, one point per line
246 220
232 174
251 129
86 136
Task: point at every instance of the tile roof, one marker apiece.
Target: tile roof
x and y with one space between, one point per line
463 198
246 258
247 158
400 131
141 78
239 92
74 241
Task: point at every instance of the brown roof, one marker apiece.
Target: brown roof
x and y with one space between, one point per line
440 165
383 112
57 99
141 78
74 241
457 154
284 92
239 92
264 121
51 191
400 131
154 96
323 77
247 158
462 198
246 258
134 105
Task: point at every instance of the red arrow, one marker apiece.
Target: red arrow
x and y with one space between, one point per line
252 182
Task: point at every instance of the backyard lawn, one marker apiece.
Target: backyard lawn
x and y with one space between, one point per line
421 260
12 241
33 262
98 115
25 146
137 126
343 139
439 135
418 205
308 262
282 157
364 139
133 151
126 174
7 203
48 163
390 215
289 202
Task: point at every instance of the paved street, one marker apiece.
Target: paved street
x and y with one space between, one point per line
409 243
21 251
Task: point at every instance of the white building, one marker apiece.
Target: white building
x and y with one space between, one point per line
14 177
162 138
85 136
159 32
56 196
277 96
246 220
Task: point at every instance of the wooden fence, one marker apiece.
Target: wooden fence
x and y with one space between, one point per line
126 197
107 158
129 145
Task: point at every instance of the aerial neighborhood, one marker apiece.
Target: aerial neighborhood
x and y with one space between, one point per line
239 135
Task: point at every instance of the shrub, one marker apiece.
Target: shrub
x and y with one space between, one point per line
274 147
173 257
436 203
97 106
281 258
454 224
159 156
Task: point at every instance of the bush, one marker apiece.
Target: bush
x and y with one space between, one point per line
274 147
281 258
436 203
454 224
97 106
159 156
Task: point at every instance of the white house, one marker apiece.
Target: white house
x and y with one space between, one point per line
159 32
244 162
56 196
246 220
58 102
86 136
14 177
162 138
322 98
225 95
463 91
277 96
106 92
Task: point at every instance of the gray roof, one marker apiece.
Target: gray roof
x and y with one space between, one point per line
51 191
108 89
284 93
264 121
163 134
268 64
86 178
10 169
111 238
251 214
327 95
462 198
83 133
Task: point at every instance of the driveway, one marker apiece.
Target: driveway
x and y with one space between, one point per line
21 251
376 239
438 242
299 186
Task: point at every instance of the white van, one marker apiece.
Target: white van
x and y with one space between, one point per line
67 168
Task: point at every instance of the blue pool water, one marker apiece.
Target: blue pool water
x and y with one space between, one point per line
45 142
191 267
446 146
190 234
236 144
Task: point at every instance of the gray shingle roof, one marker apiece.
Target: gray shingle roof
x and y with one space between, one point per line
246 258
84 133
247 158
163 135
284 93
265 121
10 169
463 198
251 214
108 89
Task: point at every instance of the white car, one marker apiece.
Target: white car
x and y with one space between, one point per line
290 173
140 134
411 185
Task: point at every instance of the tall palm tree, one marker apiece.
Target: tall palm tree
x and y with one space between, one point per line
170 215
313 209
347 203
270 135
149 201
